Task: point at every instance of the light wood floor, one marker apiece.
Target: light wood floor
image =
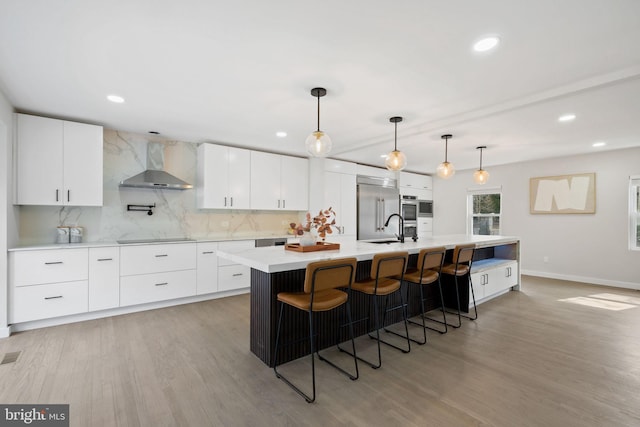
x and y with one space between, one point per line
529 360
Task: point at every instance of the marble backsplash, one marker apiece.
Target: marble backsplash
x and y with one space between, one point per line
175 214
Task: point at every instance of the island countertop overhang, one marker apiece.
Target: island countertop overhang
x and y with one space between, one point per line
276 259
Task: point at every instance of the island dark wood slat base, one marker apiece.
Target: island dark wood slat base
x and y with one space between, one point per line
264 312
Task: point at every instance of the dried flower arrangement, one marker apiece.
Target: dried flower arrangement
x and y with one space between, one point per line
322 223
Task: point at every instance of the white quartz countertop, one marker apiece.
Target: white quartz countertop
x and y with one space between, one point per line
276 258
40 246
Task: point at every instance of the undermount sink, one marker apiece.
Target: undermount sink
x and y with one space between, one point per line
385 241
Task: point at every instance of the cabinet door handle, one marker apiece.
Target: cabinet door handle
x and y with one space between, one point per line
278 203
161 255
225 201
207 252
237 274
231 201
56 297
68 195
105 259
53 262
162 284
284 206
57 191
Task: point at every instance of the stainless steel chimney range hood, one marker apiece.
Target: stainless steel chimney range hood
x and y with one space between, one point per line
155 176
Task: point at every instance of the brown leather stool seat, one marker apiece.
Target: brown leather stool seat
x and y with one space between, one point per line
387 270
320 294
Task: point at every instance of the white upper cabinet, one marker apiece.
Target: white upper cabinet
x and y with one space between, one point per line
223 177
340 194
58 162
413 184
279 182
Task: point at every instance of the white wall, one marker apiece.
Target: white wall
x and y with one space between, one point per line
6 126
584 247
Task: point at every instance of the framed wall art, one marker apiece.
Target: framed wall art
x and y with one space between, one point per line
564 194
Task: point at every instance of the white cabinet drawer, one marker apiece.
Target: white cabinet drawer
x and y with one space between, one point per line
157 287
48 266
145 259
234 246
50 300
104 278
233 277
207 268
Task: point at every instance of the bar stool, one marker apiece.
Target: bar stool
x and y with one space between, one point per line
387 270
460 266
320 294
427 272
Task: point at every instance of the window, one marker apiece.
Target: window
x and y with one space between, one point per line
484 209
634 213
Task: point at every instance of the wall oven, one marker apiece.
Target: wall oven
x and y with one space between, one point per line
425 208
409 208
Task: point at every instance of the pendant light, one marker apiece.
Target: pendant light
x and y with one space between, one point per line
445 169
318 143
396 160
481 176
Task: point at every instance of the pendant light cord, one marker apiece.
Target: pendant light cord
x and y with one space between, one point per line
480 158
446 148
395 138
318 113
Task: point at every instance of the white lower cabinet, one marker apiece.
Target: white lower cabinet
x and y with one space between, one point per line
490 281
231 275
48 266
151 273
207 281
48 300
47 283
104 278
425 228
146 288
50 283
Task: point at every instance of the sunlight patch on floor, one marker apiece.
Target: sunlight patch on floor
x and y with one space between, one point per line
606 301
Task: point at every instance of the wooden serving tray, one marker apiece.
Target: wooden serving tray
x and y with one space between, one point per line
319 246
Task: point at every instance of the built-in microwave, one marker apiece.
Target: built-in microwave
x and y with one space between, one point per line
409 208
425 208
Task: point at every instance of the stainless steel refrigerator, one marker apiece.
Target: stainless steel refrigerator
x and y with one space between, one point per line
378 198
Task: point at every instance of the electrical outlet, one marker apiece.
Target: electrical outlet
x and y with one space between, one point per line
545 258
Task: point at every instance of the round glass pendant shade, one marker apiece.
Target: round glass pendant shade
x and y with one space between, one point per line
396 161
445 170
481 176
318 144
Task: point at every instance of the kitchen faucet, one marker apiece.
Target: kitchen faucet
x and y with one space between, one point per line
400 236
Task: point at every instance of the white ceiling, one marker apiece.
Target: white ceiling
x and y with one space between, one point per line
235 72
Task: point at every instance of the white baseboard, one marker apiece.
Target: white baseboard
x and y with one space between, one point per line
44 323
591 280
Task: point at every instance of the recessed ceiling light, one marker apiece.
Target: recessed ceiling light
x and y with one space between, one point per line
486 44
566 118
115 98
281 134
599 144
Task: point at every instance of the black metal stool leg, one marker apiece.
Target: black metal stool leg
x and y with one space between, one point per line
279 375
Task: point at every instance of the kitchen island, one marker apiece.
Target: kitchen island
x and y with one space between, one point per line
274 270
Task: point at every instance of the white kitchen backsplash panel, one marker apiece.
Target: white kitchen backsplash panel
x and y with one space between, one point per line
175 214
